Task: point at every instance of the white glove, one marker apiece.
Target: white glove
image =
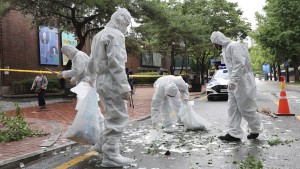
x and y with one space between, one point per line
231 86
73 81
185 101
125 96
59 75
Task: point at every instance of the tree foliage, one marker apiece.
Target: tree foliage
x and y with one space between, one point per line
279 31
83 17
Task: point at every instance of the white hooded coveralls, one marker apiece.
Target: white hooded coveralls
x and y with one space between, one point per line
79 62
162 103
107 65
241 101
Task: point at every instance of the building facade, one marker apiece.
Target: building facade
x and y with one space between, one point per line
20 48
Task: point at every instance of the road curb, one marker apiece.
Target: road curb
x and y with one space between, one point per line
27 158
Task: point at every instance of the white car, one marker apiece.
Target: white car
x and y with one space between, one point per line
217 86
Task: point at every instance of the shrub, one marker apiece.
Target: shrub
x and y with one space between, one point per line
24 86
16 128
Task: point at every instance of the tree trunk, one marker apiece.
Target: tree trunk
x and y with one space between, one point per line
172 60
274 72
182 64
279 70
287 74
271 71
296 65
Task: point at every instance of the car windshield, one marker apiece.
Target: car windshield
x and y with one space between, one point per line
221 74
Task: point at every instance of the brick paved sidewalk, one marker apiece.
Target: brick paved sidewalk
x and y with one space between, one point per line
63 114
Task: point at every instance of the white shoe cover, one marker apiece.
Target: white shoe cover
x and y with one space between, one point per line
116 161
97 148
171 129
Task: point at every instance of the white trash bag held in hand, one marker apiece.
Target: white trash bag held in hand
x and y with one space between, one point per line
88 125
191 119
81 90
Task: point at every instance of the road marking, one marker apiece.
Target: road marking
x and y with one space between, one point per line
202 98
76 160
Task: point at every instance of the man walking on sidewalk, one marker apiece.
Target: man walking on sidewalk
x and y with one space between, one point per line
241 88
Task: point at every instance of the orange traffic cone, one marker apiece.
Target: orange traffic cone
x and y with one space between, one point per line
283 108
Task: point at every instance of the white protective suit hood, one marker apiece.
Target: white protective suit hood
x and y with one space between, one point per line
120 20
69 51
219 38
171 90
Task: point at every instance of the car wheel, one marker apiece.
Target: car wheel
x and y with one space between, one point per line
209 98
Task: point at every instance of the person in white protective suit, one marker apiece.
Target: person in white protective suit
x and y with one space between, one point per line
166 98
241 88
79 63
107 66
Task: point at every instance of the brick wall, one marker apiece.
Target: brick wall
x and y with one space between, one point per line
19 49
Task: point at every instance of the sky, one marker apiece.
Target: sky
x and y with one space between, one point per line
249 7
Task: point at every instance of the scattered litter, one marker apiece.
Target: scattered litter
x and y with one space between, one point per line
267 112
168 153
22 165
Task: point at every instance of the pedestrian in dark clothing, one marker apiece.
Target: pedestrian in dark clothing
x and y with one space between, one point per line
40 85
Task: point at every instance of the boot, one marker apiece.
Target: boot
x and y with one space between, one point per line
229 138
112 156
179 123
252 136
171 129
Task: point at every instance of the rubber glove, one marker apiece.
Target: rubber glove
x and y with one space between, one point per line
59 75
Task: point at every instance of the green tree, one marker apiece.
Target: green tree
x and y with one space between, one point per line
4 7
279 31
84 18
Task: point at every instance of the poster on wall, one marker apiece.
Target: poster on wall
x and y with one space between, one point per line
49 49
157 59
67 38
147 58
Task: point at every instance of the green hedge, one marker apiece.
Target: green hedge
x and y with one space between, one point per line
24 86
145 80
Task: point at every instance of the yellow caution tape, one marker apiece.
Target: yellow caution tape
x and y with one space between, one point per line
137 76
49 72
28 71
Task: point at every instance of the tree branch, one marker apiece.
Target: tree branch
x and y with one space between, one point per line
90 30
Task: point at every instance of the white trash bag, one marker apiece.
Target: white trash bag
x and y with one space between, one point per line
81 91
88 125
191 119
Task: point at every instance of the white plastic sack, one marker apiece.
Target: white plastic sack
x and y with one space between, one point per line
81 91
191 119
88 124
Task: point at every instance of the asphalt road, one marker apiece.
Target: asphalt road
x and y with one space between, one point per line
278 146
